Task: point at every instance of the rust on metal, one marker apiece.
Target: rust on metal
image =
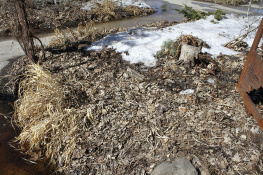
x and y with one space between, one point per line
252 77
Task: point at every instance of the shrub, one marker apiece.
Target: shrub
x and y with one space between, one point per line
83 33
218 15
194 15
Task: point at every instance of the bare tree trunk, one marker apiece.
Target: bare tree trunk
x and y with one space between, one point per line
26 38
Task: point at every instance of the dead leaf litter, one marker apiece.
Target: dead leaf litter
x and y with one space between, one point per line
141 119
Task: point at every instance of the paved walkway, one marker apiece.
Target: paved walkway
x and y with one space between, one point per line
10 49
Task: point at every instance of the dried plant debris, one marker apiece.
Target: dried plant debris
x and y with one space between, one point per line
47 114
141 118
239 46
68 14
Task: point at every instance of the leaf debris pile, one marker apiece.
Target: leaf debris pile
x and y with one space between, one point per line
141 117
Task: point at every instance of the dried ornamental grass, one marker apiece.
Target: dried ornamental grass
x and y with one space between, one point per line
106 7
85 32
47 124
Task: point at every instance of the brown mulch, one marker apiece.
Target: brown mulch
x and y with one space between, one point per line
140 122
141 119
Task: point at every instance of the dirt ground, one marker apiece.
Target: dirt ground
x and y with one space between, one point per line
141 119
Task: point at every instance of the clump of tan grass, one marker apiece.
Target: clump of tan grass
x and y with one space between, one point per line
106 10
48 124
68 37
134 9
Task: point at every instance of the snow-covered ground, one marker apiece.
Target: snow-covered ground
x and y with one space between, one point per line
142 44
139 3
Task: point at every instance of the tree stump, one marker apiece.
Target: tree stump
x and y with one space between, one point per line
189 54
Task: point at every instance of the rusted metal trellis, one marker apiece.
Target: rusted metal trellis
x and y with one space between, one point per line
251 78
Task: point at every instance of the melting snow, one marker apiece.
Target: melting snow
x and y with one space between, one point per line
141 44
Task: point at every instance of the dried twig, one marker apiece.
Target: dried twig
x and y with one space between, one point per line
249 29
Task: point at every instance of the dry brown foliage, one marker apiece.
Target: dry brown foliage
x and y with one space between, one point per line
134 9
82 32
48 123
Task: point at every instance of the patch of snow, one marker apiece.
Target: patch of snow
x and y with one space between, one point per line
187 91
138 3
124 3
211 80
141 44
254 130
87 6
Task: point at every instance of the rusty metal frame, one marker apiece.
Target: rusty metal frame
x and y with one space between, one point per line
252 77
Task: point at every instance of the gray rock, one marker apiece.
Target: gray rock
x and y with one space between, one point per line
180 166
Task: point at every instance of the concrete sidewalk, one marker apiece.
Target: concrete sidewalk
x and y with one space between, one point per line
208 6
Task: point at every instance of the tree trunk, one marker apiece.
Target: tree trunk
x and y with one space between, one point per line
26 38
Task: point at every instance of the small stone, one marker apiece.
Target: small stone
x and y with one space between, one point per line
177 167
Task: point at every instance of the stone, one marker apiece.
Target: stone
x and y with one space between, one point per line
177 167
189 53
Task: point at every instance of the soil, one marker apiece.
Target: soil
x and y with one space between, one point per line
68 14
141 119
